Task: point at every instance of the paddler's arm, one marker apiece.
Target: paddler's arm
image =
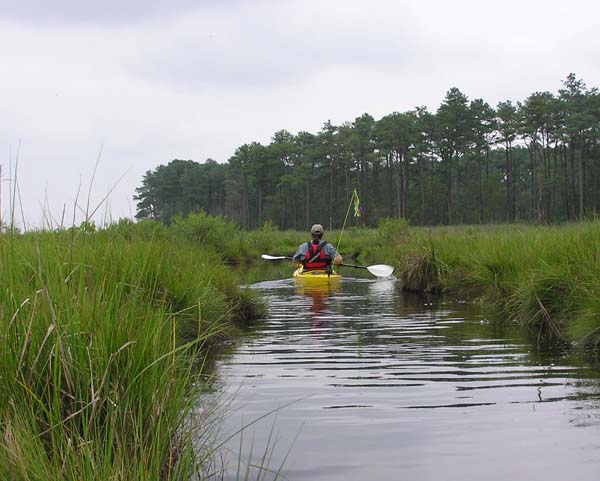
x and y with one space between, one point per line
332 254
300 253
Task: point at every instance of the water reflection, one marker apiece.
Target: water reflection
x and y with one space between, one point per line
316 299
400 387
382 289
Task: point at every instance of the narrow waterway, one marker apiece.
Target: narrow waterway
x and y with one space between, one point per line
364 383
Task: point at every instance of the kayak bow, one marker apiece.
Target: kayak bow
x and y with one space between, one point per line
315 277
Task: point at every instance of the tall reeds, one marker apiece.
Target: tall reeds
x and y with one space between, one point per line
547 277
99 341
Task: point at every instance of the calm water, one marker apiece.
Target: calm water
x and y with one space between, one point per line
384 388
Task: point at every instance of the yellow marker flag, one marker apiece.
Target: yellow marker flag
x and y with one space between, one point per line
357 209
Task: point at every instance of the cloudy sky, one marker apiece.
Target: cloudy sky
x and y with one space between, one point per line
147 81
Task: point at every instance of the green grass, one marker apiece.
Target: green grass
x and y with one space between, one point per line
101 335
546 277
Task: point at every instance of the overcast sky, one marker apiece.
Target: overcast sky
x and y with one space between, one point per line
148 81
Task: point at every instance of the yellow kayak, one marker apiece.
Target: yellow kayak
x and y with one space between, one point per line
315 277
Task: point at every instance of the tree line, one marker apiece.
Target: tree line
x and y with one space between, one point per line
532 161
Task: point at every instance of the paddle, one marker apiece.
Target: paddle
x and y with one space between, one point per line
378 270
276 258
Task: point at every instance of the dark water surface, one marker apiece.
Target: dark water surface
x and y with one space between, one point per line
384 388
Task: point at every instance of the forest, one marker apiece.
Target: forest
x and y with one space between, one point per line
535 161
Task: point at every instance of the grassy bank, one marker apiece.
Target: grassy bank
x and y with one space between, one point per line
101 333
99 340
547 278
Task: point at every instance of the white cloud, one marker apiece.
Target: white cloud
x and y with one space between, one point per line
107 12
197 81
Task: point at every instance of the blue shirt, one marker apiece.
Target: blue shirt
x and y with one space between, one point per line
302 251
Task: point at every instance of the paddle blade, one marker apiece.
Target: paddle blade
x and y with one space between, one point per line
273 258
381 270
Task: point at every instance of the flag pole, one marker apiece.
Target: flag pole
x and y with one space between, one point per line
353 198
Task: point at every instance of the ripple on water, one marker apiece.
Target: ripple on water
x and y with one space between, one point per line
383 387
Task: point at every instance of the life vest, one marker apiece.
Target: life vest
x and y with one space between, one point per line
316 259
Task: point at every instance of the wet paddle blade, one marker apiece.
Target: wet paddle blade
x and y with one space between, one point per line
381 270
273 258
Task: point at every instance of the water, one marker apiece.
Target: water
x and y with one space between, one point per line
367 384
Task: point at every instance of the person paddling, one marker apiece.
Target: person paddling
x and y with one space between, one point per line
317 254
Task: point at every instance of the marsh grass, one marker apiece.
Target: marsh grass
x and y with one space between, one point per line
546 277
103 334
101 337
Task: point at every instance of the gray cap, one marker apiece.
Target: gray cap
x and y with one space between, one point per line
316 229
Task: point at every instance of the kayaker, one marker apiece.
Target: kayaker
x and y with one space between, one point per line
317 254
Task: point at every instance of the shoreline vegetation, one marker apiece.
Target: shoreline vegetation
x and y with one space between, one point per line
544 277
103 333
102 339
